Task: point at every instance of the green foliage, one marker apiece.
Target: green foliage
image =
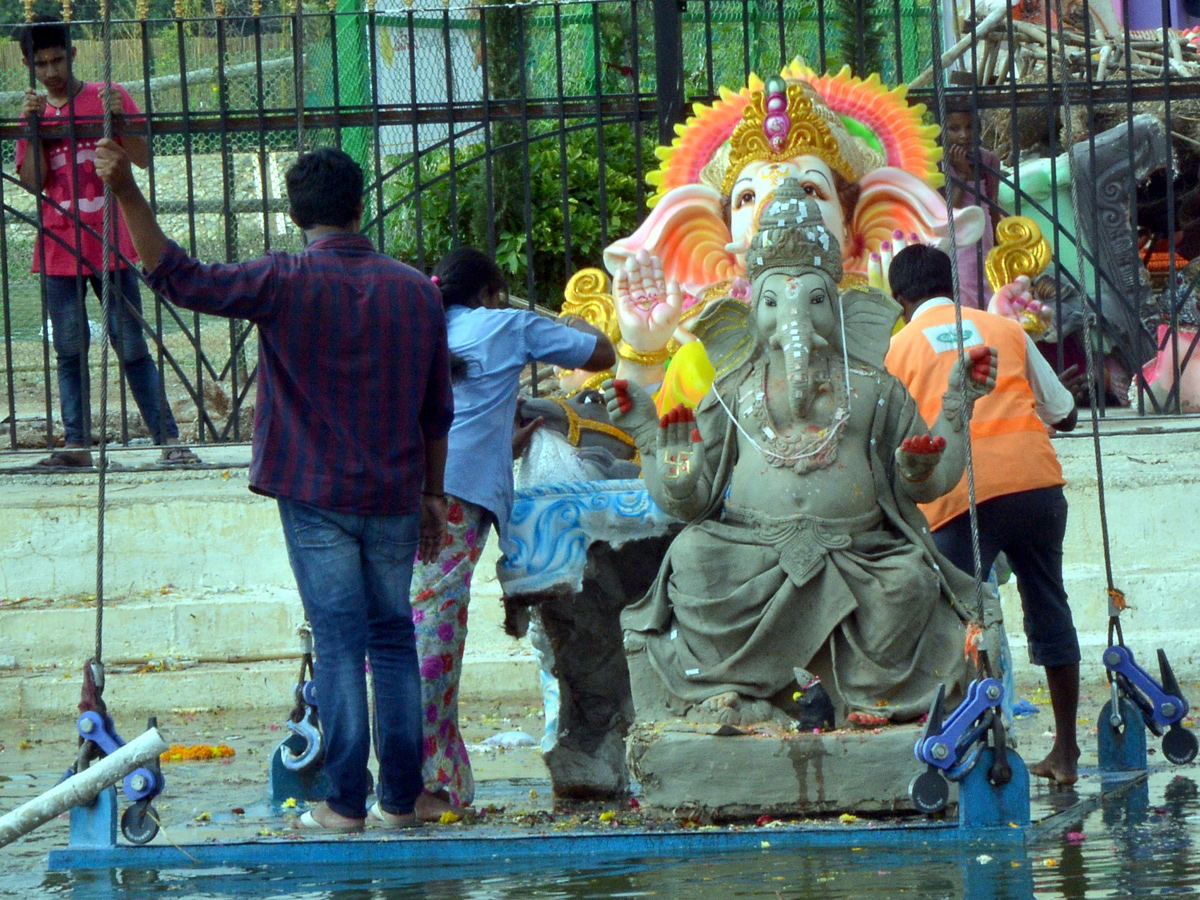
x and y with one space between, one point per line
540 234
858 27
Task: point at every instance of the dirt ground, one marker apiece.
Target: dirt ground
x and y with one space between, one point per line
228 798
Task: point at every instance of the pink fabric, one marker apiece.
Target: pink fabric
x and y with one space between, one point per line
58 215
1160 371
440 595
969 258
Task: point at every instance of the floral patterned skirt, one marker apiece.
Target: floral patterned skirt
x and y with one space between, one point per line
441 591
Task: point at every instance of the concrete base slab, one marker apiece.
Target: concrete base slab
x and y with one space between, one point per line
722 776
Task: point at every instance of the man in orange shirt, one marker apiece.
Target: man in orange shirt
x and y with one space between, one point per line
1018 480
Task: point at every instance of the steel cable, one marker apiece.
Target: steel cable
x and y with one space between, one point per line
1114 613
939 91
107 281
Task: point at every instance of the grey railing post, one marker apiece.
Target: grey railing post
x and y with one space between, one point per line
668 66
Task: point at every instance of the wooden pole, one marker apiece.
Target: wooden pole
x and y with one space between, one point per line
975 34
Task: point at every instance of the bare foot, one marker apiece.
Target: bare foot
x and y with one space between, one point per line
1059 766
860 719
430 807
731 708
727 700
723 708
749 712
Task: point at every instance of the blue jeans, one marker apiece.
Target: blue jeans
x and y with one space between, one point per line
354 573
65 296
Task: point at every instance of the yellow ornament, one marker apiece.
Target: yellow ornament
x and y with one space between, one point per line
587 296
1020 250
687 379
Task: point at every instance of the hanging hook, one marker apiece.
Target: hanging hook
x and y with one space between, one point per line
313 749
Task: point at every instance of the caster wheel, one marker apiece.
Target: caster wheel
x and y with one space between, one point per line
1179 745
930 792
139 823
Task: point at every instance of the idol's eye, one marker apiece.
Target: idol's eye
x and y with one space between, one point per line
818 297
768 301
814 191
745 198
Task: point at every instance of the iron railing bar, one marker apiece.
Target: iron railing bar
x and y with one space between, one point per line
447 49
189 171
635 66
387 114
148 108
898 28
228 182
260 104
526 175
6 306
708 46
336 79
81 284
380 237
235 409
598 84
746 64
781 25
564 185
822 61
488 149
416 139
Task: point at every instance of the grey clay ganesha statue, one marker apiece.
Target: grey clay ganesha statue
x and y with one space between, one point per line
799 475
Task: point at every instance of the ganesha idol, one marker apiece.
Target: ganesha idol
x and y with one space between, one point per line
861 153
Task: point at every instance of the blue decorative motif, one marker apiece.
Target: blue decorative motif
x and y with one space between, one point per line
552 526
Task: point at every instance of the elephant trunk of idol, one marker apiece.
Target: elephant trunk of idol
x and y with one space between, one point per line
797 339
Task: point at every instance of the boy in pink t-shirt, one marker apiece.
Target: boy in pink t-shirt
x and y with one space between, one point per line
967 187
70 250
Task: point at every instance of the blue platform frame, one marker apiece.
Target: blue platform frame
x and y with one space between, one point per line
992 818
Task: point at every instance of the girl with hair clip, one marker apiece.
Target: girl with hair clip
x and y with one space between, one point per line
489 348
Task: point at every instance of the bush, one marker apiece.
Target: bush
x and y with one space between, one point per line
459 214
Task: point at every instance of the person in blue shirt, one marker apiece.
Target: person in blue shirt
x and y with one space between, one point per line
490 347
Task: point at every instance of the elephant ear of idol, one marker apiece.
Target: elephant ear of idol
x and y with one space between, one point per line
726 330
870 317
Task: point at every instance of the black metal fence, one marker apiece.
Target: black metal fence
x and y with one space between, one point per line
528 130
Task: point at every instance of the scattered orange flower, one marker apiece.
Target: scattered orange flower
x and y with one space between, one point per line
196 752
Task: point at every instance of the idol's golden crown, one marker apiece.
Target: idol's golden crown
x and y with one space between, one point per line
807 134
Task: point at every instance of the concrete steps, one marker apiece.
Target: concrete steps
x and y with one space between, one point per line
229 649
1152 500
197 575
197 583
265 685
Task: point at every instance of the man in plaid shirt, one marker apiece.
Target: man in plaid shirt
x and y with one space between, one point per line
350 425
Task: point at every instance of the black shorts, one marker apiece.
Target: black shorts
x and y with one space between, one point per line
1028 527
